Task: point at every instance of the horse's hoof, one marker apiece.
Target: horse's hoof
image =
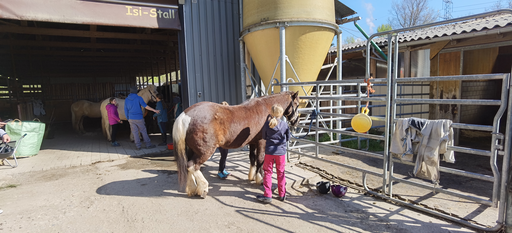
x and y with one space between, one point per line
203 195
258 178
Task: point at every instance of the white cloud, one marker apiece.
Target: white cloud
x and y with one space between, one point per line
369 21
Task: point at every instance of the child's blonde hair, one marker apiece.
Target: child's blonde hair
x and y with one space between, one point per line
276 112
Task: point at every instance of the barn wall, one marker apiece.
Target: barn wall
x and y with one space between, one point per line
211 53
56 96
479 61
445 64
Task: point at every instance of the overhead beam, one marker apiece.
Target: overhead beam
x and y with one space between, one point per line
32 43
36 57
82 33
86 54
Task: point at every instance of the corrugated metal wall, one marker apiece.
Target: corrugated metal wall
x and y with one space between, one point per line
210 52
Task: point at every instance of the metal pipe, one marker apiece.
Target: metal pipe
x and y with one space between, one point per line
472 127
242 70
339 76
495 132
373 43
440 190
339 164
282 51
474 77
388 163
449 217
317 149
451 101
505 194
289 23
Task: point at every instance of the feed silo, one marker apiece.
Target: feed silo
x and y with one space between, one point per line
301 29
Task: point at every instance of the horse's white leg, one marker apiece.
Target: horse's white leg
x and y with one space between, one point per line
109 131
81 124
103 126
73 119
202 184
259 178
252 172
191 182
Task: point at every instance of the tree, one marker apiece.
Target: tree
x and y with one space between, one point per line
498 5
384 27
350 40
409 13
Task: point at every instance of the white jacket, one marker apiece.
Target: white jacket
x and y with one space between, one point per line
426 139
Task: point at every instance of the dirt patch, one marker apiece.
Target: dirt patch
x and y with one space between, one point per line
141 195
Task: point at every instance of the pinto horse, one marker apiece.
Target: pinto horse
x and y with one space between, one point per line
148 93
204 126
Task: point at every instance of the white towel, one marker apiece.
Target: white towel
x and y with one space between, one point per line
428 144
434 141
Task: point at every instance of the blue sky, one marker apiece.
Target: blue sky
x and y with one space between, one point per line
374 13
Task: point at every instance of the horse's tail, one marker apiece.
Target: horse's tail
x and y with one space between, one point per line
179 133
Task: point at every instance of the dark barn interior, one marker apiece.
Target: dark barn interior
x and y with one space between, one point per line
60 63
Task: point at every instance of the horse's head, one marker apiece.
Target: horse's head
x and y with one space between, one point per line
149 93
292 110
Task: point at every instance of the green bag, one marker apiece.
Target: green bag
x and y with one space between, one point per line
31 144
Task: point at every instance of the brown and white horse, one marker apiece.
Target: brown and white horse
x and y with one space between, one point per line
204 126
81 109
148 93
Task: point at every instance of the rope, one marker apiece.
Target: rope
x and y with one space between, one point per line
313 116
369 89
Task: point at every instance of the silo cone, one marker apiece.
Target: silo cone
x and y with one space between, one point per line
306 46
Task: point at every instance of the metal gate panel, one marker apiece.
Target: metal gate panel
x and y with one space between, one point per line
335 116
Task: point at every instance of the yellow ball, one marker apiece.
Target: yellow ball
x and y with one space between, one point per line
361 123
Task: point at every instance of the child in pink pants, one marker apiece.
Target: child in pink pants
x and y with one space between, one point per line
276 133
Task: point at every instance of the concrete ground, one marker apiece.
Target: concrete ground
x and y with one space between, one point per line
82 184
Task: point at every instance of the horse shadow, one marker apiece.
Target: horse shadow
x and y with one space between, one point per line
155 186
303 206
164 183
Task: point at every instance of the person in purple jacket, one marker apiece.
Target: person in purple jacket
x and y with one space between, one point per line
276 133
113 119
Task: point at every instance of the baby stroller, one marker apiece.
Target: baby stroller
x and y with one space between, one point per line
7 151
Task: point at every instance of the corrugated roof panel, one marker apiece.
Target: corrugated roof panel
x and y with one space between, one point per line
502 20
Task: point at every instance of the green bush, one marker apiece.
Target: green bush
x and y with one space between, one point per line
322 138
375 145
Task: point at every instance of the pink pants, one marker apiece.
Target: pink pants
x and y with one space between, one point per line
268 166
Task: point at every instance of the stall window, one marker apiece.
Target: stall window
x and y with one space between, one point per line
420 63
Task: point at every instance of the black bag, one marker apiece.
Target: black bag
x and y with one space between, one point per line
323 187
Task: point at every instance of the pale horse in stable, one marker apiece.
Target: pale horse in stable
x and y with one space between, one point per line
148 93
81 109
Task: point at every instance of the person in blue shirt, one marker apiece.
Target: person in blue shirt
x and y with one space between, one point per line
277 134
5 137
176 105
133 105
161 118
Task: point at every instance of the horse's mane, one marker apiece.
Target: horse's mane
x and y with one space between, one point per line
263 98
